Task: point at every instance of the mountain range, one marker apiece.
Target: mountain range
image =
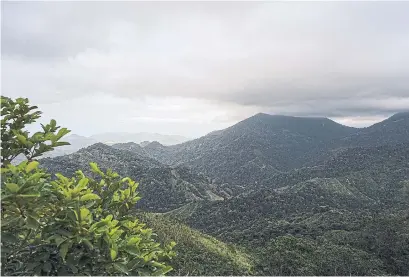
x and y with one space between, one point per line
121 137
78 142
262 146
312 195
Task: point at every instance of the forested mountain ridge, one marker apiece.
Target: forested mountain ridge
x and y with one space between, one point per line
360 210
392 130
162 187
376 160
124 137
131 146
263 145
356 179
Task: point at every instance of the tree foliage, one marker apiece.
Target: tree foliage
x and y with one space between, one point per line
15 140
67 226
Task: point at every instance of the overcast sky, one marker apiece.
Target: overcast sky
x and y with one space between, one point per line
192 67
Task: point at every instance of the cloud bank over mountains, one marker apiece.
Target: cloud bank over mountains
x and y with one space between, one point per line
192 67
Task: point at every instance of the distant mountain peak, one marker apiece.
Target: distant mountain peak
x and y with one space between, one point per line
130 146
400 115
144 143
269 116
122 137
75 136
280 116
98 145
262 114
288 122
131 143
154 144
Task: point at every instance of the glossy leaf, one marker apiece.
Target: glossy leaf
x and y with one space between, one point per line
32 223
64 249
31 166
89 196
121 268
12 187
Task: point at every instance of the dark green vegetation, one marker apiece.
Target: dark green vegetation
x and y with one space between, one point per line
197 253
162 188
273 195
261 146
356 216
67 226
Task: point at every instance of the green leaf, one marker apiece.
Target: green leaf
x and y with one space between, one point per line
9 238
44 127
90 204
12 187
136 199
89 196
42 257
84 212
94 166
162 271
121 268
95 169
64 249
98 225
28 195
88 243
81 184
61 143
32 223
73 268
133 250
53 123
57 238
62 132
36 176
22 139
9 220
134 240
31 266
37 137
114 253
64 232
47 267
32 165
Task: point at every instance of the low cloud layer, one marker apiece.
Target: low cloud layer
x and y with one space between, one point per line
191 67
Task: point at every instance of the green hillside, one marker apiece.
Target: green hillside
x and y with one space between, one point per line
197 253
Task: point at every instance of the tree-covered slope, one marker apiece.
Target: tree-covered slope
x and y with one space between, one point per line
131 146
256 148
262 146
376 172
162 187
197 253
360 191
357 179
392 130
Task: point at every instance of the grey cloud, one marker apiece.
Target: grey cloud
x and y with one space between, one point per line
299 58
